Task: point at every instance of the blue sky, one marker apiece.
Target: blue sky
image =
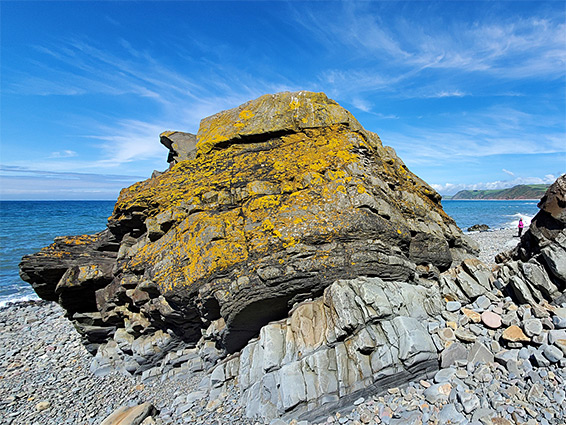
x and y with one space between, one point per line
470 94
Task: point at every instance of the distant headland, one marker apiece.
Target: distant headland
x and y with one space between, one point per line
523 191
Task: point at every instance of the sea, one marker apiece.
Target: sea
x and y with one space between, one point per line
28 226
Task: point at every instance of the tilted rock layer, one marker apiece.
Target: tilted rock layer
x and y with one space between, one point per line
275 201
535 270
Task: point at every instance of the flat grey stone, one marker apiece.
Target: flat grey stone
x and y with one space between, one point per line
449 356
449 415
453 306
480 353
482 302
437 393
504 356
469 401
554 335
444 375
559 322
552 353
532 327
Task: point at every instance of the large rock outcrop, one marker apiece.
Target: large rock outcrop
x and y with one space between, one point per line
535 270
278 199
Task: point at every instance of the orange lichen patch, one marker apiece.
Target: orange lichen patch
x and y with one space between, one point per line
80 240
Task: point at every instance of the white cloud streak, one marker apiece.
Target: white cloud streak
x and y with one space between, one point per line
389 55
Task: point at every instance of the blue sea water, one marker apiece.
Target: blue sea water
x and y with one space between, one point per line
28 226
496 214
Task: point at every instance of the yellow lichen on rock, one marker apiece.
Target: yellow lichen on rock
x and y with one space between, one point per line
249 198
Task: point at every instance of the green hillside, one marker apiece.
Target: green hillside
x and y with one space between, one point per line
524 191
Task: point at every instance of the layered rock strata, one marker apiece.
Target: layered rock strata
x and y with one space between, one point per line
278 199
362 337
535 270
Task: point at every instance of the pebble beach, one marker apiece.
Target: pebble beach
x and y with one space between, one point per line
45 375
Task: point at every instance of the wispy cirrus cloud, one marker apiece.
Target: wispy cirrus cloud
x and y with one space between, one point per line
389 49
23 182
79 67
67 153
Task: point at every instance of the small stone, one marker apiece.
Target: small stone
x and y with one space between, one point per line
491 320
424 383
469 401
540 339
437 393
559 396
359 401
514 334
474 316
539 358
42 405
532 327
453 306
552 353
465 335
444 375
539 311
446 334
547 323
483 302
495 347
559 322
510 318
449 415
452 354
366 416
479 353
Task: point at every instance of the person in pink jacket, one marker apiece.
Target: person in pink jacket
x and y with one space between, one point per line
521 225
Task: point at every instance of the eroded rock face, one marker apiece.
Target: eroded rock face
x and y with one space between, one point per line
535 270
182 146
362 337
282 196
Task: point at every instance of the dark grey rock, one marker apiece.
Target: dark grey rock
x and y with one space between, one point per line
450 355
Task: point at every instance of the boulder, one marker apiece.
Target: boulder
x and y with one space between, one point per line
182 146
276 200
478 228
535 270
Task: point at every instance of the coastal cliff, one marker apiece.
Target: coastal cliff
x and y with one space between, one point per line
523 191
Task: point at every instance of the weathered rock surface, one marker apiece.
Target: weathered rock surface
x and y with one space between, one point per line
535 270
362 337
279 198
182 146
478 228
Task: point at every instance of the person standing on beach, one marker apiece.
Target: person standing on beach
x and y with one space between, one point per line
521 225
